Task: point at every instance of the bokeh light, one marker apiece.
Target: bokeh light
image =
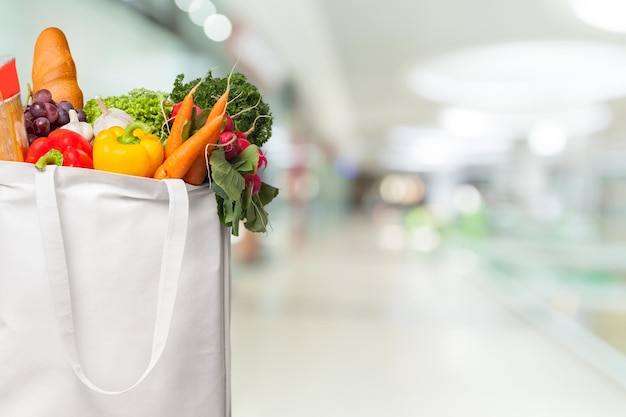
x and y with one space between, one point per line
217 27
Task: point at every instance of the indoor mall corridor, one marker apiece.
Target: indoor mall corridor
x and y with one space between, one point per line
339 328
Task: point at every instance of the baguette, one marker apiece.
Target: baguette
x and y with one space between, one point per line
54 68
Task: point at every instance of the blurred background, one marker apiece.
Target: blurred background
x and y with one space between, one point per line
450 234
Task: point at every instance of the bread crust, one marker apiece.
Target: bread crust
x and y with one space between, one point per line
54 67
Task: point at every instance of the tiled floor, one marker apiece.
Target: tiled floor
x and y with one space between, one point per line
339 328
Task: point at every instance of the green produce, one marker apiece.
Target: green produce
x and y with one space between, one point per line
239 200
248 110
143 105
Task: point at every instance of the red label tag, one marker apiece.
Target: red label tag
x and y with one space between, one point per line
9 83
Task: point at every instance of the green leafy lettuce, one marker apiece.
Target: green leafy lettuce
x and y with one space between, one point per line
148 106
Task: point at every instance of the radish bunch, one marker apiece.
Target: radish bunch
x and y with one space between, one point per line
234 142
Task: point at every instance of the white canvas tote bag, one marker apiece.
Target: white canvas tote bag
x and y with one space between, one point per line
114 296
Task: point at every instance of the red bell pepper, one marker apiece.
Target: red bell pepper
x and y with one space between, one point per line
72 150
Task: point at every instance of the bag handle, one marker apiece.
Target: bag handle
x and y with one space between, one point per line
56 261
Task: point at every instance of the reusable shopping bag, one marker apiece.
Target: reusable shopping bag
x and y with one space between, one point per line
114 296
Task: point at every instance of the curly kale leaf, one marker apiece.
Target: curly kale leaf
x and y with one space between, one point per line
246 102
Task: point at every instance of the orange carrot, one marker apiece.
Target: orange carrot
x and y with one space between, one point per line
181 160
198 172
182 118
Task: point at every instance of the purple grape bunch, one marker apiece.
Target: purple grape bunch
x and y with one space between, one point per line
43 114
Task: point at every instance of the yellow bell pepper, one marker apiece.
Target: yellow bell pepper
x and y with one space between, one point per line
132 150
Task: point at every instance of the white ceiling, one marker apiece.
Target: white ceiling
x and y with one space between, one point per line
512 57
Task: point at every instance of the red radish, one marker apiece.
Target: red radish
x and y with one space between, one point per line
243 142
235 142
176 107
262 160
231 144
229 125
253 181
